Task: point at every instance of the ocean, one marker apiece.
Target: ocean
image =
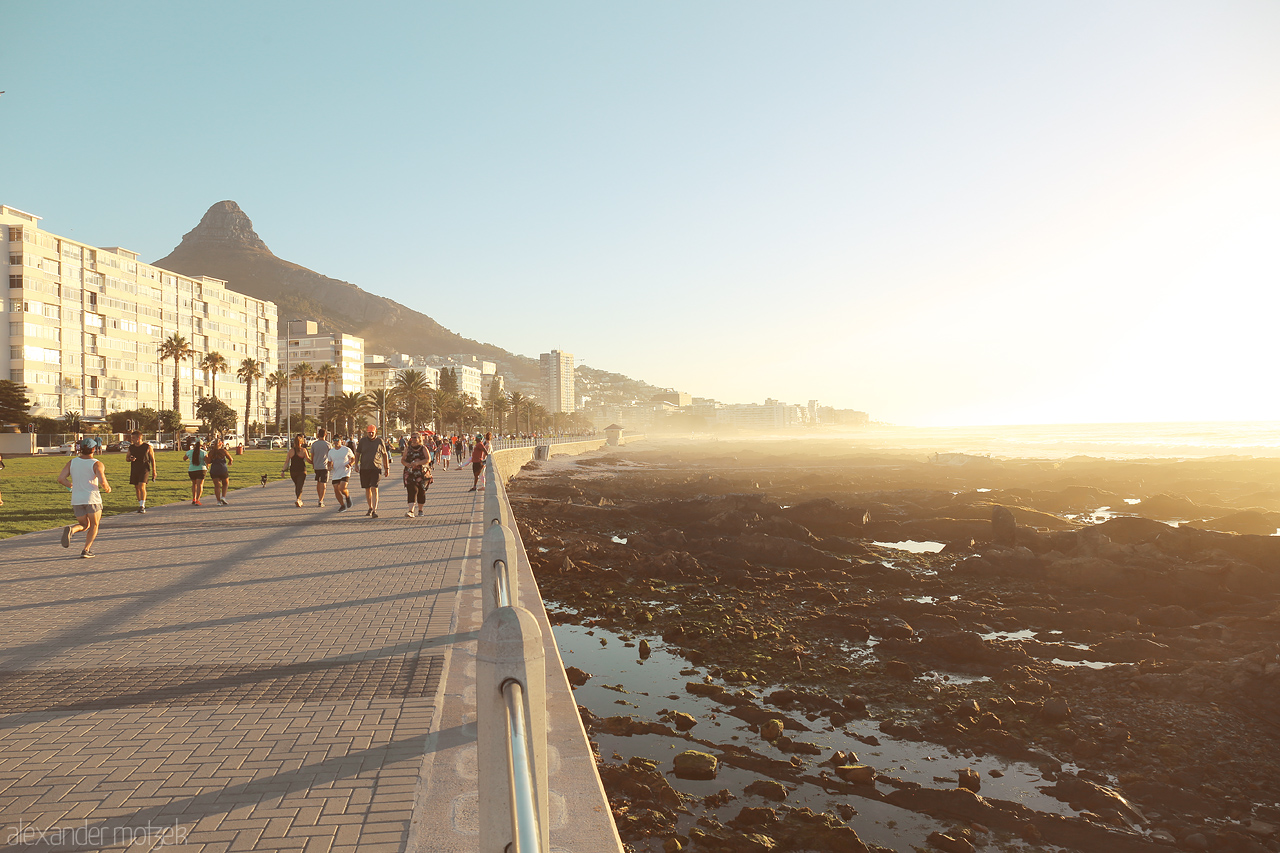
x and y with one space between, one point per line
1191 440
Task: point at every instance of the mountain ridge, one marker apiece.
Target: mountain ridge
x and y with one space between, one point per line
224 245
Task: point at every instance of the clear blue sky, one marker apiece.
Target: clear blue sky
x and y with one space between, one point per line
935 212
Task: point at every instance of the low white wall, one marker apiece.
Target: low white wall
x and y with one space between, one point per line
17 443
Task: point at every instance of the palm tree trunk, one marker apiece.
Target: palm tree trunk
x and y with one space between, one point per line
248 400
176 371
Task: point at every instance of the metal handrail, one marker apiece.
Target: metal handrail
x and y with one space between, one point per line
506 597
525 829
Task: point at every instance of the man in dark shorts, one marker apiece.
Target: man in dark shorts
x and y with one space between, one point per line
142 466
374 462
320 463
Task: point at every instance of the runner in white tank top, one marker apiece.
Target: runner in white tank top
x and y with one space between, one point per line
87 479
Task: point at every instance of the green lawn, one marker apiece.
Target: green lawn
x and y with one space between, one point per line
33 500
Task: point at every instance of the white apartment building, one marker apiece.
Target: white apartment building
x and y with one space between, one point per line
771 415
469 376
557 381
85 324
381 371
308 342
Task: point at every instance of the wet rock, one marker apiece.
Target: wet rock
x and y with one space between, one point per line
639 783
692 764
771 730
899 669
645 650
1055 710
894 628
1083 794
757 815
949 843
969 779
1130 649
577 677
672 845
682 721
858 774
1004 529
767 788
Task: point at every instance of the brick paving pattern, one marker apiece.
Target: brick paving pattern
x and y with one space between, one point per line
255 676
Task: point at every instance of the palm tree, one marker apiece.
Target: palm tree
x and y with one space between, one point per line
176 348
352 406
382 401
248 371
327 373
412 388
215 363
302 372
519 403
277 380
501 405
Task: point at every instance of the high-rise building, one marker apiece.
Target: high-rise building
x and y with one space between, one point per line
310 343
86 324
557 381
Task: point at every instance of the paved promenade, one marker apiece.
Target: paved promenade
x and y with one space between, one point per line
255 676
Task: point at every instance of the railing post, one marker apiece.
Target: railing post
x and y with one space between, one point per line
499 584
513 808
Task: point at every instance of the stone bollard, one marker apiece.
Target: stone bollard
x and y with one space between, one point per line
510 649
498 545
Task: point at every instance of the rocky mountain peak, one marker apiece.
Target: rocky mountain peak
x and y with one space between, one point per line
224 225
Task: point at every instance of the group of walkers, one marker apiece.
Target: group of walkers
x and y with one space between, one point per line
334 461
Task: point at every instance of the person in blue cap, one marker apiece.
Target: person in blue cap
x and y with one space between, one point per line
86 477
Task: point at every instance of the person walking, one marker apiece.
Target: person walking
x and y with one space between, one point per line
87 479
416 460
478 454
220 470
339 463
446 450
196 458
320 462
458 451
374 461
142 467
295 465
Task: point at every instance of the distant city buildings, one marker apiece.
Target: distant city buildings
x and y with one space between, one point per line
557 381
308 342
85 324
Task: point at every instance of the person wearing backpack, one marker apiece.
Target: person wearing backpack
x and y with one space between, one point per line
196 458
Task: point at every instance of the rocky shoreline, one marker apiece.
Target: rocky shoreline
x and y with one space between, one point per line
1132 666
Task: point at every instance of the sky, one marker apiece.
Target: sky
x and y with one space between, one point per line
934 212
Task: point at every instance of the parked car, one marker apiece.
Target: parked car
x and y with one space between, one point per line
162 444
189 440
69 447
116 447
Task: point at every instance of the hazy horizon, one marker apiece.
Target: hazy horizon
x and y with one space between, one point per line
992 213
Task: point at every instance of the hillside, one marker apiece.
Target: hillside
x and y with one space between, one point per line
225 246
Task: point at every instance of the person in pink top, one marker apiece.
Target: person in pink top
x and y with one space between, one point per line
478 456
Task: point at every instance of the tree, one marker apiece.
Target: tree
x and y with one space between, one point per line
448 381
501 405
215 415
302 372
519 403
15 407
214 363
71 421
248 371
351 407
413 389
170 420
144 419
176 347
382 402
277 380
327 373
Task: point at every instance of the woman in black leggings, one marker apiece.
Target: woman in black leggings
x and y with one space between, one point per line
296 465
